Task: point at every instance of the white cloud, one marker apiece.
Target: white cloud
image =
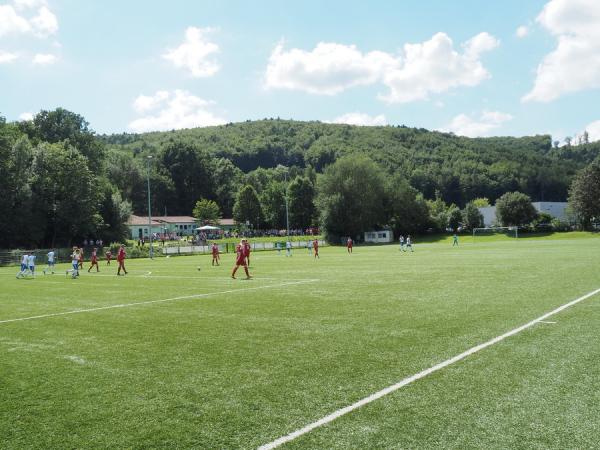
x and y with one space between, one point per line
11 22
361 119
43 24
328 69
463 125
146 103
26 116
7 57
44 59
433 66
193 55
574 64
173 110
522 31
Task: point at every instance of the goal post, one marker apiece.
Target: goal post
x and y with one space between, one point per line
493 230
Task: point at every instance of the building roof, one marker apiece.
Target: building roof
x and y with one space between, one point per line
175 219
226 222
139 220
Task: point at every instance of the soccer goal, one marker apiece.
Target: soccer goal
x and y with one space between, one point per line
487 231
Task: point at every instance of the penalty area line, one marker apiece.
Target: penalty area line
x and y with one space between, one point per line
150 302
388 390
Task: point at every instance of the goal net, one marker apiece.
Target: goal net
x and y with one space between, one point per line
490 231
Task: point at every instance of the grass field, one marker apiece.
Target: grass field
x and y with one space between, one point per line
204 361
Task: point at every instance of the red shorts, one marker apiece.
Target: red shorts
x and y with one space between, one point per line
240 261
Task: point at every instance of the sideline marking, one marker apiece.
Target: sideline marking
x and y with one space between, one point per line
388 390
546 321
149 302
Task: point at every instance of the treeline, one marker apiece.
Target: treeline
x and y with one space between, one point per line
62 183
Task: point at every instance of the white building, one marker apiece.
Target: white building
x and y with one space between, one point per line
555 209
170 225
379 237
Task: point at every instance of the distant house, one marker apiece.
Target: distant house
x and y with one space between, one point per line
227 224
383 236
555 209
172 225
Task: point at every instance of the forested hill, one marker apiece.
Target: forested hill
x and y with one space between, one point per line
459 168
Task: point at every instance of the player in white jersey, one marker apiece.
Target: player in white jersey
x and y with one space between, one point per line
288 248
51 261
75 262
409 244
24 263
31 264
401 240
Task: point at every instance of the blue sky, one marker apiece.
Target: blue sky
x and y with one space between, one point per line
477 68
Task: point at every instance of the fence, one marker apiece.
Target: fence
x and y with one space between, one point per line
230 247
13 257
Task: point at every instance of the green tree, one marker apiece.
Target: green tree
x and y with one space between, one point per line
301 206
515 209
407 208
481 202
114 212
247 207
438 213
454 215
191 172
227 179
272 200
65 197
584 195
62 125
351 197
207 212
471 216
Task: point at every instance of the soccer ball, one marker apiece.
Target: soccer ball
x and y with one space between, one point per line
198 267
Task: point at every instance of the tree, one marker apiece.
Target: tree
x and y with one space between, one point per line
114 212
65 197
247 206
481 202
438 213
351 197
471 216
408 211
584 195
207 212
272 200
515 209
454 215
227 178
62 125
301 195
190 170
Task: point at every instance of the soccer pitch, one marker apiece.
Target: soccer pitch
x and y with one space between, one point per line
172 357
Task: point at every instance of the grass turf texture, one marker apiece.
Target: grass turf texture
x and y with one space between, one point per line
239 369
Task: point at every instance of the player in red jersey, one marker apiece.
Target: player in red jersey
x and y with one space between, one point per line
247 251
94 260
215 254
108 257
316 248
349 244
121 259
240 260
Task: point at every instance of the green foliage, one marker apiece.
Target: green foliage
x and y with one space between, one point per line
481 202
471 216
584 195
351 197
515 209
438 213
455 217
272 200
207 212
407 209
301 196
247 207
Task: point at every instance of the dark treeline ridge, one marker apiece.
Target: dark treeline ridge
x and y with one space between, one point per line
458 168
61 182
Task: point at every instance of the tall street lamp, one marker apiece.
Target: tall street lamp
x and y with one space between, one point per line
148 158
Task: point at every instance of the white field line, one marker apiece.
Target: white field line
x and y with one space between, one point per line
388 390
149 302
546 321
146 275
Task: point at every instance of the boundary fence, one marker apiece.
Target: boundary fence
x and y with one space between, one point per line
13 257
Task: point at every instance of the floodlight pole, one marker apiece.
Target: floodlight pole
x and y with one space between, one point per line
148 158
